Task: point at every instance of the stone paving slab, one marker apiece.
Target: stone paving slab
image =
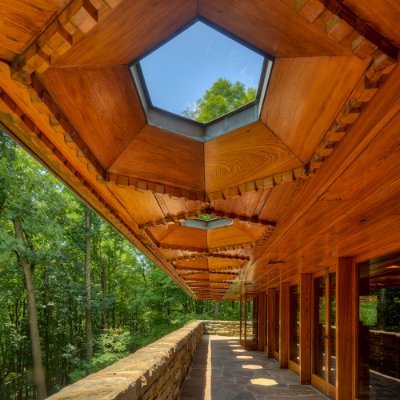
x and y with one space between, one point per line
223 370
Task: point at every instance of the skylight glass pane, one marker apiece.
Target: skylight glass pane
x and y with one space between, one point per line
200 59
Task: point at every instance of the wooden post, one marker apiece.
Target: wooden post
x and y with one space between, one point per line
284 325
346 301
271 321
241 320
305 328
261 321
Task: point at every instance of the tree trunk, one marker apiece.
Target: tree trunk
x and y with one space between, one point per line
38 372
89 333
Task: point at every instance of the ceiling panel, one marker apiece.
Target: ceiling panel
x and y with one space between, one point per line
304 96
101 103
271 26
164 157
246 154
133 28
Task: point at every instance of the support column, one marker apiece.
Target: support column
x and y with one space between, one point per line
346 325
305 328
271 315
261 321
284 325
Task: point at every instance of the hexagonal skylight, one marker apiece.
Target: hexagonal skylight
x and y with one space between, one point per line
202 83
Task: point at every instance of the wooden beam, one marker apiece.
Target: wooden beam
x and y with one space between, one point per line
284 325
305 328
346 300
346 14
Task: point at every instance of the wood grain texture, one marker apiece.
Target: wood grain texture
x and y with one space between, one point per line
271 26
248 204
21 21
249 153
102 104
209 263
304 96
142 206
164 157
133 28
382 15
345 344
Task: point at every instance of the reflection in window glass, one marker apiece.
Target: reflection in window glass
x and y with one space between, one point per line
379 330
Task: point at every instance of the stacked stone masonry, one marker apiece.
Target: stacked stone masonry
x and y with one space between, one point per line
156 371
222 328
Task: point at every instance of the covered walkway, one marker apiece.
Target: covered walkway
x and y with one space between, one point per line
223 370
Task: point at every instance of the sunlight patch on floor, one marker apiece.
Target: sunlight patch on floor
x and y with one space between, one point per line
263 382
251 366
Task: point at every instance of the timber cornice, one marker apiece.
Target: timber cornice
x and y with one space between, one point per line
366 89
209 255
185 216
343 26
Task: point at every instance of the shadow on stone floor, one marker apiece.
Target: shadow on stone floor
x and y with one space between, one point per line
223 370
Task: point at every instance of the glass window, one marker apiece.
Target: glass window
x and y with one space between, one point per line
379 329
294 323
201 74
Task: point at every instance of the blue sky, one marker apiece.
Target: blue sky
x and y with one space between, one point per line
179 72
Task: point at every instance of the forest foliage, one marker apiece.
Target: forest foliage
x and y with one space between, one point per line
132 302
221 98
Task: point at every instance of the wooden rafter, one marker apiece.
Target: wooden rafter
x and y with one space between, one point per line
342 12
78 19
346 28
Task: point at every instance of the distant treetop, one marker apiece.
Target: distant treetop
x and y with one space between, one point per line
222 98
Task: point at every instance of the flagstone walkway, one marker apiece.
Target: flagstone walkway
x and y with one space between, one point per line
223 370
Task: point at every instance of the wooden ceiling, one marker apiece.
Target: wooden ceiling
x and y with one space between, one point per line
315 178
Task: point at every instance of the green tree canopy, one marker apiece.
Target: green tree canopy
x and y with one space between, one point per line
222 98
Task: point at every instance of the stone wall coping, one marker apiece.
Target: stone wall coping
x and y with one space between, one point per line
126 378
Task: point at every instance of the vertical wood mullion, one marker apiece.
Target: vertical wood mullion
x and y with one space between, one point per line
345 328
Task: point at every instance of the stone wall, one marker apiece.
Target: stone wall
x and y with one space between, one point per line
156 371
222 328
